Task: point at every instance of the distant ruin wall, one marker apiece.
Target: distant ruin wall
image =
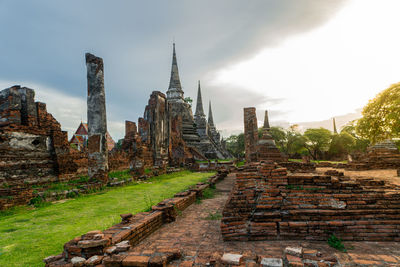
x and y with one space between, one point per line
377 158
267 204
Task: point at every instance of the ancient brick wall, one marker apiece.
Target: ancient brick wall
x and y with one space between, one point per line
156 116
268 204
378 158
298 166
250 134
118 160
33 149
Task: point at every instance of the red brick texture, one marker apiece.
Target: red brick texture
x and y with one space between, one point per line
268 204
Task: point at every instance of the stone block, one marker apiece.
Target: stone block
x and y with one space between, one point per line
94 260
271 262
92 243
136 261
78 261
232 259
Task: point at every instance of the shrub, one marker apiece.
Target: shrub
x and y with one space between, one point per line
336 243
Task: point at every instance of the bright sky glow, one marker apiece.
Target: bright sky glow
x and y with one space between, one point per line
332 70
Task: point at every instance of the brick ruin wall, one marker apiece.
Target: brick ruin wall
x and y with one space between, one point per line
108 246
35 151
378 158
268 204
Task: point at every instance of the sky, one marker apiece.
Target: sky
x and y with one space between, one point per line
303 60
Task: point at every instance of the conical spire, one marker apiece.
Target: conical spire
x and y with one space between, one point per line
175 89
334 126
199 105
266 121
210 116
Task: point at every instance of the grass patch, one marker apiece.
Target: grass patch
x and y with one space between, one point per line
240 163
336 243
214 216
42 231
120 175
214 160
208 193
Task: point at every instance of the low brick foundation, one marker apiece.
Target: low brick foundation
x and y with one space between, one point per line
268 204
133 229
298 166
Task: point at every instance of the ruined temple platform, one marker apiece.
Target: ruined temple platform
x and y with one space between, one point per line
387 175
200 241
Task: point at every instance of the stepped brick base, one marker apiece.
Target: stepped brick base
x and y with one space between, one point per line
268 204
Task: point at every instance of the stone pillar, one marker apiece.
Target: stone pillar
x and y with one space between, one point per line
97 122
250 134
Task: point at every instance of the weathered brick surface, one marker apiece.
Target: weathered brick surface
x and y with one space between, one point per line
250 134
384 155
33 149
266 203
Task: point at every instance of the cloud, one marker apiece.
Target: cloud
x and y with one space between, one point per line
45 41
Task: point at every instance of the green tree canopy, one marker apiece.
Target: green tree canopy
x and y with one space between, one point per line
381 116
341 144
360 143
235 145
318 141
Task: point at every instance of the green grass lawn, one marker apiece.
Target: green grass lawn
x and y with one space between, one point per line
213 160
27 235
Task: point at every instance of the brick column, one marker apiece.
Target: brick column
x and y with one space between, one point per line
250 134
97 122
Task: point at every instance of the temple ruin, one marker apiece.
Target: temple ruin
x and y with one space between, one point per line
268 202
35 151
256 148
210 143
383 155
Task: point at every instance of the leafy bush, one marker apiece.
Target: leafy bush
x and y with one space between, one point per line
208 193
336 243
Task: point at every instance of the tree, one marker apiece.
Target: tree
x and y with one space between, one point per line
279 135
341 144
188 100
360 143
318 141
381 116
295 143
118 145
290 141
235 145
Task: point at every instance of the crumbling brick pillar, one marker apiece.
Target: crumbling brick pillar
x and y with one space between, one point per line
130 129
250 134
97 122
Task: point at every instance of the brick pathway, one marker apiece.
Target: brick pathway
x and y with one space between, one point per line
200 239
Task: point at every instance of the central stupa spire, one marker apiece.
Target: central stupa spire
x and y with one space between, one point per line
199 105
174 92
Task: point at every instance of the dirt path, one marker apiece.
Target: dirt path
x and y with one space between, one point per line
200 239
